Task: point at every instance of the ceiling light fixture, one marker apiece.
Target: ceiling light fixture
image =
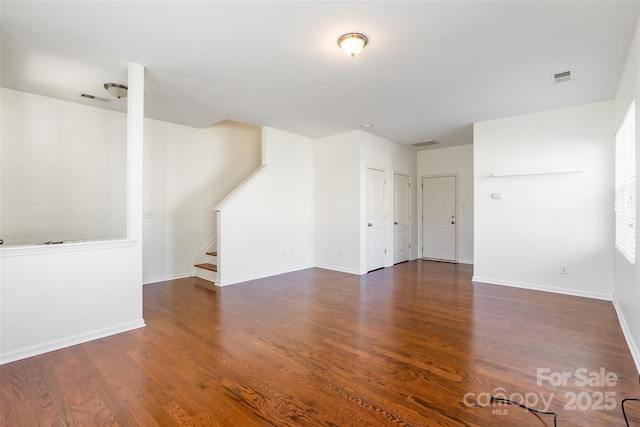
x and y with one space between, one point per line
116 89
352 43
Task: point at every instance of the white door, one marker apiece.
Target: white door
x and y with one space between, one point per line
375 219
439 218
401 241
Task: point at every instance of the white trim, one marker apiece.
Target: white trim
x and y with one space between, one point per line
241 279
465 261
204 274
625 186
386 217
201 256
456 176
233 193
507 174
69 341
339 269
534 287
391 215
628 336
28 250
159 279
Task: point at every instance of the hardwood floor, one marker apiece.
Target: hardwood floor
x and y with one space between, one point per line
413 345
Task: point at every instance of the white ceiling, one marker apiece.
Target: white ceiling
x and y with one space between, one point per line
430 70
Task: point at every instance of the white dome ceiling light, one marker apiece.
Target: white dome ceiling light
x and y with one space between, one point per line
116 89
352 43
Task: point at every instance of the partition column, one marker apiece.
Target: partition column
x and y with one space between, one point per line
135 128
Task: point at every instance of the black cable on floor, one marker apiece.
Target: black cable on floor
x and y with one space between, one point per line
623 412
535 411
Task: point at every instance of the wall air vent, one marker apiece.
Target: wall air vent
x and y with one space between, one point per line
95 98
424 143
562 77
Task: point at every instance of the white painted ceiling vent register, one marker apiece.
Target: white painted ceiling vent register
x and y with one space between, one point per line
352 43
95 98
425 143
116 89
562 77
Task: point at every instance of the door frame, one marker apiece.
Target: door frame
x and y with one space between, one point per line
385 218
409 207
421 213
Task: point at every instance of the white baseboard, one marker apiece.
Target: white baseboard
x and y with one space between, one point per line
339 269
240 279
465 261
564 291
165 278
633 346
23 353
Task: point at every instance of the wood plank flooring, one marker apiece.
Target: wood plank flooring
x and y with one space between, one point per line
413 345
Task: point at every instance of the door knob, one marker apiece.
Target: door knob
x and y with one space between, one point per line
395 222
453 222
369 225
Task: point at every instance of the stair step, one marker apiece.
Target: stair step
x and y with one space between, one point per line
208 266
214 253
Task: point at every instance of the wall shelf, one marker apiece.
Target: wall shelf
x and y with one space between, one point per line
506 174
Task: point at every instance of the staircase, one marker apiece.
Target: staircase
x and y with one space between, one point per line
208 270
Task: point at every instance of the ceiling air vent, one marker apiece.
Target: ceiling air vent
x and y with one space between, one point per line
424 144
562 77
95 98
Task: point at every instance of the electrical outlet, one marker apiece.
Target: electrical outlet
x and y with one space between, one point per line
564 269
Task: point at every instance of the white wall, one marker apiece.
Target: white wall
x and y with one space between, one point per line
627 277
341 165
187 172
46 144
452 161
53 299
337 201
379 153
546 220
60 295
267 226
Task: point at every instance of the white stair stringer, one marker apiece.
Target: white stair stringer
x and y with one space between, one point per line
210 258
205 274
201 257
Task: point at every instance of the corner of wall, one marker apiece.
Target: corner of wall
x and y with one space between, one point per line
628 334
